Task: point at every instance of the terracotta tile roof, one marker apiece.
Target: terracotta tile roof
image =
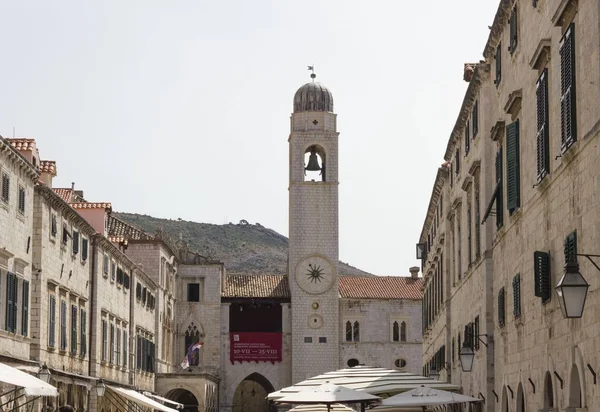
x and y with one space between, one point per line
22 144
91 205
65 194
48 166
256 286
381 287
121 230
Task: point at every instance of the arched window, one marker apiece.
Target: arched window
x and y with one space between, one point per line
520 399
192 336
403 332
348 331
548 392
356 332
395 332
575 389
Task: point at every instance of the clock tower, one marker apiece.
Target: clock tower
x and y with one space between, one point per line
313 231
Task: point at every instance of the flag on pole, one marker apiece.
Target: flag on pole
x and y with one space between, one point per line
186 361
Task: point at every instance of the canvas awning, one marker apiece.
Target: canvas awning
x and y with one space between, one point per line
140 399
160 398
377 381
328 393
32 385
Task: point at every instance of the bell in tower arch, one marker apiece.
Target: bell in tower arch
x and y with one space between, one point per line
313 161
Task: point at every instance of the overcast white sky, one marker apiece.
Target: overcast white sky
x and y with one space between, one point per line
180 108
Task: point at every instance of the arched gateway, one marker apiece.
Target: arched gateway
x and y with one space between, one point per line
251 394
186 398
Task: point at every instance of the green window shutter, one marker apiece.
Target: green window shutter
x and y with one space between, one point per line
83 332
513 32
541 270
457 161
499 195
542 135
75 242
517 296
84 248
476 332
125 351
9 302
475 118
138 352
104 340
513 180
5 187
25 309
63 325
112 343
568 121
73 329
21 200
571 247
498 59
52 322
501 309
118 350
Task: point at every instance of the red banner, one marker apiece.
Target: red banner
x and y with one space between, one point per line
255 347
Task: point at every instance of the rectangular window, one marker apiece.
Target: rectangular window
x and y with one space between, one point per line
125 345
105 265
475 119
118 350
11 302
73 330
53 226
138 352
5 187
21 200
193 292
83 332
112 343
499 193
513 173
25 309
513 31
113 271
469 228
65 234
119 276
308 339
126 280
104 340
322 339
476 333
75 242
568 118
501 308
52 322
84 249
570 248
517 296
476 206
467 138
542 135
138 291
63 325
541 270
457 162
498 59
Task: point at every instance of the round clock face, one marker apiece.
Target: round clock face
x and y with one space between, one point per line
314 275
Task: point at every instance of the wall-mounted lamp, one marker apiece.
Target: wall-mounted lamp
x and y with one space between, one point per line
467 355
572 289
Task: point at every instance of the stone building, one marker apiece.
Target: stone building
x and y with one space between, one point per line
513 203
114 304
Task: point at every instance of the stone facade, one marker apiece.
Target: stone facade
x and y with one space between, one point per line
536 192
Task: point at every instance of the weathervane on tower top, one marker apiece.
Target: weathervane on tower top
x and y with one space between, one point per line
312 75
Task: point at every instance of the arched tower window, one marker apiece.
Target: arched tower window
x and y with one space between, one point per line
403 332
395 332
314 164
192 336
356 332
348 331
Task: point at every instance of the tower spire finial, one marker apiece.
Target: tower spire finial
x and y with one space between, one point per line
312 75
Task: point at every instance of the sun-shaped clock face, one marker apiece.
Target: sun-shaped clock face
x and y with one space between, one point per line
315 274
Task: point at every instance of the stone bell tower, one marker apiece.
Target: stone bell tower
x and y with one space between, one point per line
313 231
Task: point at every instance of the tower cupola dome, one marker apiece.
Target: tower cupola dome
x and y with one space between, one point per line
313 97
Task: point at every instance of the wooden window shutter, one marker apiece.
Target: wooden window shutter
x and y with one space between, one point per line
476 332
513 179
11 302
542 136
457 161
5 187
53 228
63 325
541 270
104 340
475 119
84 248
517 296
567 89
467 138
498 59
21 200
499 194
514 35
83 332
125 351
73 329
571 247
52 322
75 242
501 308
112 343
25 309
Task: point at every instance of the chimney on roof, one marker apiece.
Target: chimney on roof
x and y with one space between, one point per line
414 272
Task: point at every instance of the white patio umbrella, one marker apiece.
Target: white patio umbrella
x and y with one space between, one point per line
32 385
328 394
425 396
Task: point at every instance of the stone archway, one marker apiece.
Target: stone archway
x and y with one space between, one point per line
575 400
186 398
251 394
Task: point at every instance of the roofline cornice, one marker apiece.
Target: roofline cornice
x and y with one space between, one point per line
57 202
500 20
433 201
22 162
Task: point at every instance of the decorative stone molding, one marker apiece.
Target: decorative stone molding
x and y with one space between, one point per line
513 103
541 56
564 12
498 130
475 166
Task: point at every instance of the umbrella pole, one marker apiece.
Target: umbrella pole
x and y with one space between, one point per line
328 407
362 407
